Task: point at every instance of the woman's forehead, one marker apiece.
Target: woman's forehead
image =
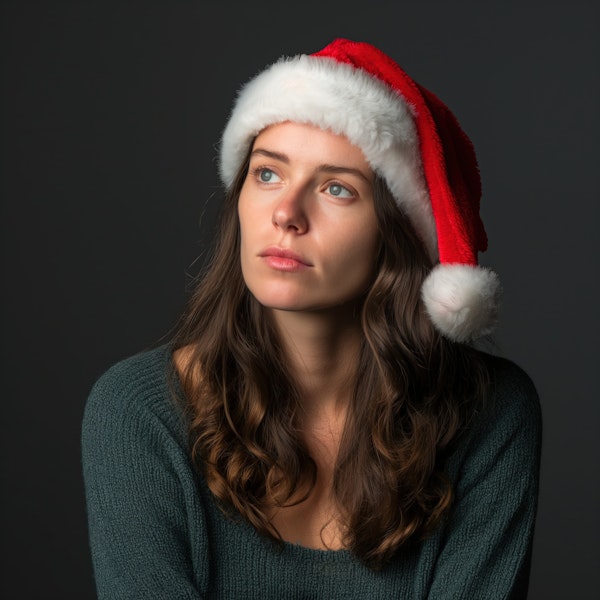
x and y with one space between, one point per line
291 140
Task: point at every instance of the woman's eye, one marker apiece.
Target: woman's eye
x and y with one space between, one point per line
339 191
267 176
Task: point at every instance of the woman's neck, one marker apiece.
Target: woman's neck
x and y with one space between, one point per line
322 349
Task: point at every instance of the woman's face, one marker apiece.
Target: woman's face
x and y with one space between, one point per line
309 233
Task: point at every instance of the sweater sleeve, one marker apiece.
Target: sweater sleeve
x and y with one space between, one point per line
486 546
138 491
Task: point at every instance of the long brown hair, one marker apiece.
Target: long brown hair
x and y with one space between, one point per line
413 396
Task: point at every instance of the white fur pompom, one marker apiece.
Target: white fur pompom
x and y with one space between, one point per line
462 300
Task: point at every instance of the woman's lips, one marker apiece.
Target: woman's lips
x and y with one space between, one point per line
283 259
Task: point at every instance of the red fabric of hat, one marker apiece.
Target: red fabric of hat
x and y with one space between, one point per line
447 154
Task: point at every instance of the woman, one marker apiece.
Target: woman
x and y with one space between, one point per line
320 426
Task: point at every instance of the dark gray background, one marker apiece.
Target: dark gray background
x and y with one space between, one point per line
110 118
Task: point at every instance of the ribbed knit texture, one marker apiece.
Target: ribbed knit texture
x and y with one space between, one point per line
155 531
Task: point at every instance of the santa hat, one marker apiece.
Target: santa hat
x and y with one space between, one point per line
410 138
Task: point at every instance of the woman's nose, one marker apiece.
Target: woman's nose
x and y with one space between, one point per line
289 214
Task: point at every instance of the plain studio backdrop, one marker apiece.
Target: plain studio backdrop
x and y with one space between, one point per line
111 116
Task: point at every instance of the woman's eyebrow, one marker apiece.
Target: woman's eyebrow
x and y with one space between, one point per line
270 154
342 169
324 167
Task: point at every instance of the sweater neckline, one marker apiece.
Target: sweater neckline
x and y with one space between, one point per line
290 548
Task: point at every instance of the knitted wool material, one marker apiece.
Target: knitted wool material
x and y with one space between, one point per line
156 533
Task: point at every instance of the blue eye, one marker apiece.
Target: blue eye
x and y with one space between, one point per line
339 191
265 175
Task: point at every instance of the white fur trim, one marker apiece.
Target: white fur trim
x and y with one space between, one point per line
347 101
462 300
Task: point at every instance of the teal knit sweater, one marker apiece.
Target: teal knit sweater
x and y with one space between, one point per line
155 531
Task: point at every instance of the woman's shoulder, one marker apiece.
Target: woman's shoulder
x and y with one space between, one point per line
140 389
137 375
500 448
510 414
512 391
